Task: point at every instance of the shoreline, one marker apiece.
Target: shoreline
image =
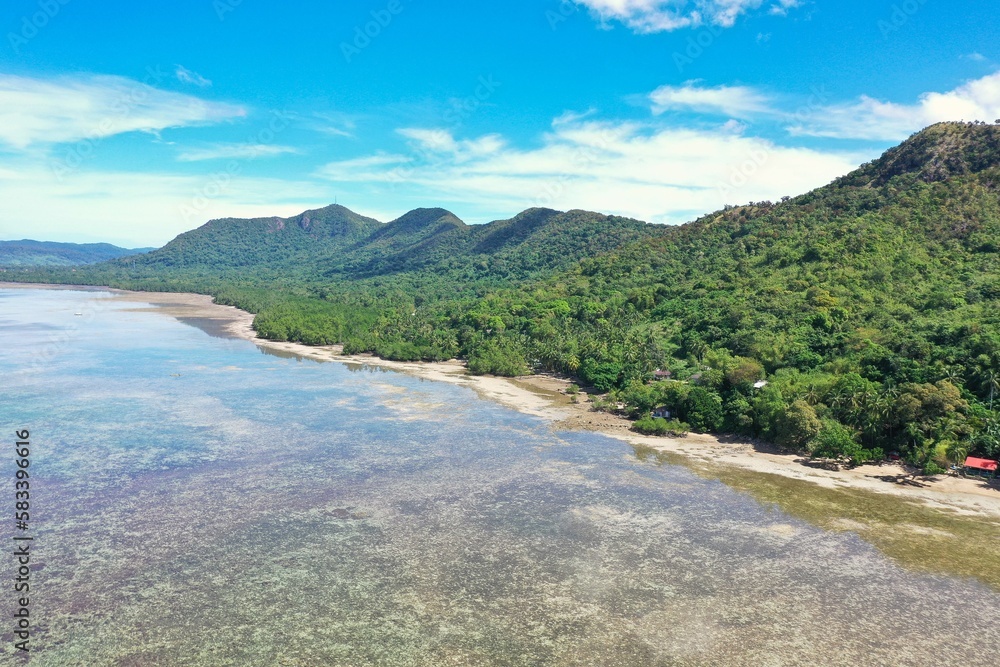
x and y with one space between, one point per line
544 396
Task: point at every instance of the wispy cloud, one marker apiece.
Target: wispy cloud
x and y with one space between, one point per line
782 7
40 112
736 101
866 118
235 151
442 141
869 118
648 16
334 131
332 125
184 75
372 168
660 174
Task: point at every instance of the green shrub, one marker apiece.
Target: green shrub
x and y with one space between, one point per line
931 468
837 441
659 426
602 404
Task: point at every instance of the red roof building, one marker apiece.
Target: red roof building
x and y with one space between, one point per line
981 464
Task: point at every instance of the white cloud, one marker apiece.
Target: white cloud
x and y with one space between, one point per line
235 151
570 117
138 209
652 173
42 112
737 101
781 7
373 168
442 141
184 75
873 119
334 131
648 16
333 125
734 126
431 140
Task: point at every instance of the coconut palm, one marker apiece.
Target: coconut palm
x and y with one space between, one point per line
992 382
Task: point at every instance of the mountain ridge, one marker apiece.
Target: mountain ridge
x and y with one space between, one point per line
335 242
30 253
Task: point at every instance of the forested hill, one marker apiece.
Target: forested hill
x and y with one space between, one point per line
232 245
46 253
335 245
870 307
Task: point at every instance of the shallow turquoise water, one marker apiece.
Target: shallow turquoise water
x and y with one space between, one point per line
198 502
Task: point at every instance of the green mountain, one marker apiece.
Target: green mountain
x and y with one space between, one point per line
28 253
234 246
535 242
871 306
859 318
417 239
335 247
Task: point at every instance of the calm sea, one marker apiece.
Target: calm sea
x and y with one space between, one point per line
198 502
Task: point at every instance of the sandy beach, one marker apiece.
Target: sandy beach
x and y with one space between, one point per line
545 396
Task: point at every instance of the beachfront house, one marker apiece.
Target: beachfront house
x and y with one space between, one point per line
661 413
980 467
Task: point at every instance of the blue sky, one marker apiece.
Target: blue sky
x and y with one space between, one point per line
131 122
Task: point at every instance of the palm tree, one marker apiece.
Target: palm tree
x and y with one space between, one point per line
836 400
698 348
953 374
889 395
993 382
957 452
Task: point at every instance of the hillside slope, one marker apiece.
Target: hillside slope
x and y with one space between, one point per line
871 306
232 245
